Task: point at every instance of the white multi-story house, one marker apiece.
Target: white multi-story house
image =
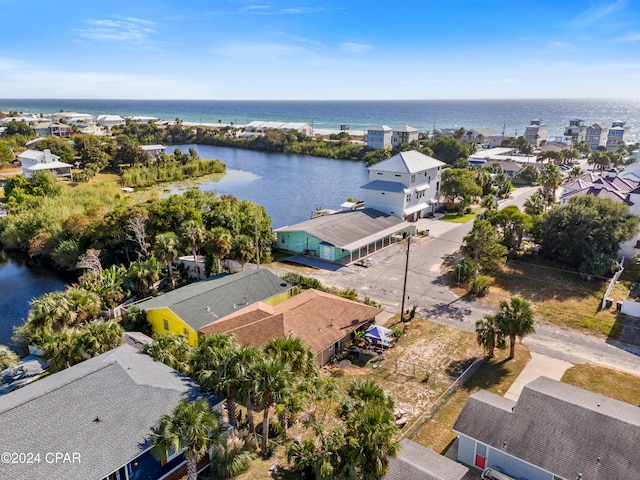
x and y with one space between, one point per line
379 137
596 136
616 135
406 185
576 131
402 135
536 133
34 161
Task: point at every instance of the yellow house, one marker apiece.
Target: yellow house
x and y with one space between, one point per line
185 310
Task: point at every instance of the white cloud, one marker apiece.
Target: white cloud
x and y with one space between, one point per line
595 13
559 44
632 37
124 29
353 47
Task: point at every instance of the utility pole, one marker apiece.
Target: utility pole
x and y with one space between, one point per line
406 270
257 241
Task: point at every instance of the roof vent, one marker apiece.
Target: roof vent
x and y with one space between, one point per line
598 461
97 419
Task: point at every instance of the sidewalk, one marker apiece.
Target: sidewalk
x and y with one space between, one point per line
538 366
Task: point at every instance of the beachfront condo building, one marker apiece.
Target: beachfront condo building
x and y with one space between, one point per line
536 133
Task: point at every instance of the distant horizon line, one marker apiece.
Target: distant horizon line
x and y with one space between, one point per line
313 100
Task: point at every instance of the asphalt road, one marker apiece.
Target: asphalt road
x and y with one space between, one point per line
426 289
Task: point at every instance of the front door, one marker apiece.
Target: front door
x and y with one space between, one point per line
481 456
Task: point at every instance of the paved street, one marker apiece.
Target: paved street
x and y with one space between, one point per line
383 282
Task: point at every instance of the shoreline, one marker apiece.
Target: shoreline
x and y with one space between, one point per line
325 117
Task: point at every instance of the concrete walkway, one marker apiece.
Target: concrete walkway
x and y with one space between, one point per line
539 366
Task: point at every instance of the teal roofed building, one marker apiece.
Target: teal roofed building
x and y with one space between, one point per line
345 236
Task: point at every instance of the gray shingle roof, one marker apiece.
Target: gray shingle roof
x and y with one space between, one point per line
560 428
125 389
416 462
349 228
411 161
220 294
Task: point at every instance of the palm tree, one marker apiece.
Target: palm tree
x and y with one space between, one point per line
244 249
194 234
219 245
192 426
515 319
370 430
52 309
84 303
172 350
8 359
248 381
272 383
143 274
221 366
100 336
550 179
62 349
166 249
534 205
292 352
488 335
575 172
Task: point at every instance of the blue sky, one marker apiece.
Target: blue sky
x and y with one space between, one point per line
330 49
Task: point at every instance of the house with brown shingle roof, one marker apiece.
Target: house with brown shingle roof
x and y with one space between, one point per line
323 321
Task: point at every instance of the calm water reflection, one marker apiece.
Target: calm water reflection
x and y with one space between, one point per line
19 284
290 187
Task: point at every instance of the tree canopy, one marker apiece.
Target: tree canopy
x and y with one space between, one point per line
450 151
586 233
459 183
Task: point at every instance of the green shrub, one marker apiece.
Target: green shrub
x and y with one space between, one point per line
480 285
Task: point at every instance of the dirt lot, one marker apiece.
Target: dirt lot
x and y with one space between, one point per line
422 365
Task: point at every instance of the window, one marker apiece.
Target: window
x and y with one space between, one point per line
166 325
429 179
380 173
397 175
282 238
186 333
413 178
408 198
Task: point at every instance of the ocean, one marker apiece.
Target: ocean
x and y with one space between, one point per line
512 116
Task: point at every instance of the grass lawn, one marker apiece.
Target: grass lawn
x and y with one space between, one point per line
612 383
494 375
560 297
457 218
